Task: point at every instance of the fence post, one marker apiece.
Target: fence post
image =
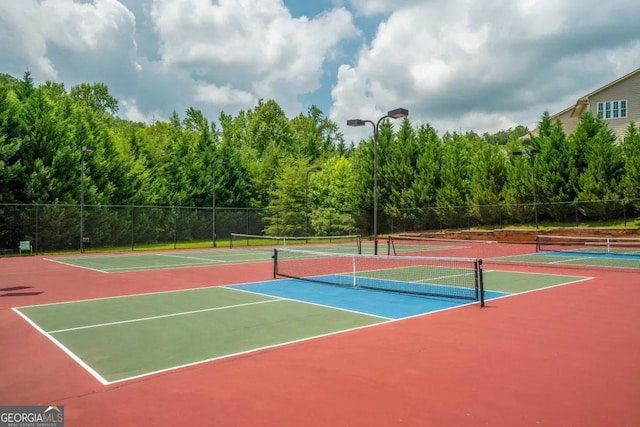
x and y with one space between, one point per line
133 208
37 242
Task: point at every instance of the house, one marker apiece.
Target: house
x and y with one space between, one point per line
617 102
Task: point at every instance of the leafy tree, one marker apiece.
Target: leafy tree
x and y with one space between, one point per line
331 198
95 97
453 193
26 87
631 156
552 180
267 123
398 173
487 178
287 208
603 166
10 170
428 178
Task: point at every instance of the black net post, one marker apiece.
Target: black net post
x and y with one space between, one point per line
275 263
481 282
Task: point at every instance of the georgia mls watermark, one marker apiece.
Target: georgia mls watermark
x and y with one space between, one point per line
31 416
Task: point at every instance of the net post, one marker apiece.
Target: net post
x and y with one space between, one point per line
275 263
537 243
481 282
353 266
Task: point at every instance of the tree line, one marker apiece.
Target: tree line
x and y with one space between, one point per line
299 170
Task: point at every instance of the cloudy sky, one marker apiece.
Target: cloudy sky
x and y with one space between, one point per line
483 65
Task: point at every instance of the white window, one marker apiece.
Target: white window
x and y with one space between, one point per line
612 109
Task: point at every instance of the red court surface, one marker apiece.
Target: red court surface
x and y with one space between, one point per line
563 356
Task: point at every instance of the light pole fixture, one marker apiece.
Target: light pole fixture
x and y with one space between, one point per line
85 149
532 158
306 197
393 114
220 161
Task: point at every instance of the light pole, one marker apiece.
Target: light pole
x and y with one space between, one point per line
85 149
393 114
306 197
221 161
532 158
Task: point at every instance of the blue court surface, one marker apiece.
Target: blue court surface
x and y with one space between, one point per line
389 305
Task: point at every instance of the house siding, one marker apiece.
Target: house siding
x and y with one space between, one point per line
626 88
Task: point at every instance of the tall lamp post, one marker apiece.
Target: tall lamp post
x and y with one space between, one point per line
306 197
85 149
532 158
393 114
221 161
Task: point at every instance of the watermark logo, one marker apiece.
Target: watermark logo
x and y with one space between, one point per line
31 416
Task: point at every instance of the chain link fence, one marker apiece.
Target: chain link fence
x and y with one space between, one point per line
54 228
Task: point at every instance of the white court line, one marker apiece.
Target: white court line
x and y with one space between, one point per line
69 353
307 302
138 295
75 265
571 259
191 257
515 294
162 316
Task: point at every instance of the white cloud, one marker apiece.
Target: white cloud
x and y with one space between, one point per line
375 7
224 95
85 27
249 47
459 64
133 113
31 28
465 64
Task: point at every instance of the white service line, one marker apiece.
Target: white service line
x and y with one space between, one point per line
182 313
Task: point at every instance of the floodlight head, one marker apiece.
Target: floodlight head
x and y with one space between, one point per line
89 148
222 161
355 122
398 113
315 169
534 151
515 153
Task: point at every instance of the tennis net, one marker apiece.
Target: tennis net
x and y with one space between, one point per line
347 243
443 277
589 245
408 244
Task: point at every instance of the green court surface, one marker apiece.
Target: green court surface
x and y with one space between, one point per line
128 261
121 338
573 259
125 337
515 282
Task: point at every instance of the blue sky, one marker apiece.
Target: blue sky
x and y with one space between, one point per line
459 65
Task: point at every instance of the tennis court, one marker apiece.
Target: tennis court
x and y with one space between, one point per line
574 252
246 249
128 262
193 326
605 252
194 329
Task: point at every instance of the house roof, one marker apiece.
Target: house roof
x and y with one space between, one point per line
582 103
